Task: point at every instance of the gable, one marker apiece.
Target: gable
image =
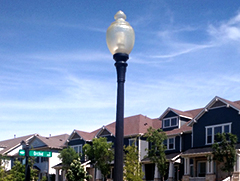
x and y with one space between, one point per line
217 104
37 143
75 136
104 132
170 114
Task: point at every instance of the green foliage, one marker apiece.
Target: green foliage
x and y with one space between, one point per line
224 151
76 172
100 154
17 173
156 153
44 178
67 155
132 168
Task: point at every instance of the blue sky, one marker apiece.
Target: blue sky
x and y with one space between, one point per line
57 74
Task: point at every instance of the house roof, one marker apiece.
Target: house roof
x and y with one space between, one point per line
235 105
53 142
183 129
133 125
187 114
9 145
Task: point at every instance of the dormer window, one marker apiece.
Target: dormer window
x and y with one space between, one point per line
170 122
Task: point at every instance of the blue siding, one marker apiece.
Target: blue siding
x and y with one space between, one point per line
170 114
183 121
76 142
186 141
213 117
177 146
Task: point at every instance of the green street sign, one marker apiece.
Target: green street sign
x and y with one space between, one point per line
36 153
21 152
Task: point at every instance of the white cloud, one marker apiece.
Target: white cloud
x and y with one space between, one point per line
226 31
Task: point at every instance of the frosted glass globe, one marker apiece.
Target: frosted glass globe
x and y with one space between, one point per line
120 35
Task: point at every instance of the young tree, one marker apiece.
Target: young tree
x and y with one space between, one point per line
132 168
224 150
3 173
100 154
67 155
156 152
76 172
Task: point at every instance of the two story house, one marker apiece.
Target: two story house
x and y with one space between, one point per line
218 116
53 144
10 148
175 124
134 129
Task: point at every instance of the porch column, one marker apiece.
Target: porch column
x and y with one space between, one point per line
63 175
186 166
210 166
237 167
143 169
170 173
156 174
57 175
98 175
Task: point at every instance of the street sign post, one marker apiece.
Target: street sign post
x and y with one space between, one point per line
37 153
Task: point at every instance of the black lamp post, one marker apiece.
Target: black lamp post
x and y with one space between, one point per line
120 41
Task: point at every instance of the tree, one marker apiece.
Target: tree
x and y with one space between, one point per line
67 155
100 154
156 152
76 172
132 168
3 173
224 150
17 173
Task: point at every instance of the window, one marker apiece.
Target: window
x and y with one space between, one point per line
132 141
201 169
170 122
211 131
170 143
77 148
44 159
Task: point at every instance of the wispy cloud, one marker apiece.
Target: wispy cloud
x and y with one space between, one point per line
226 31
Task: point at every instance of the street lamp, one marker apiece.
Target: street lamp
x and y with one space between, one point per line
120 40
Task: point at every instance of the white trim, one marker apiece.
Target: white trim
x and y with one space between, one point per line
132 139
218 107
170 118
78 146
173 143
213 126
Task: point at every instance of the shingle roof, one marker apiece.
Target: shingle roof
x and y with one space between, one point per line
184 128
10 144
53 142
189 114
133 125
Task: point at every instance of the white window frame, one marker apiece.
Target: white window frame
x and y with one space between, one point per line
173 143
79 151
131 140
213 126
170 125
